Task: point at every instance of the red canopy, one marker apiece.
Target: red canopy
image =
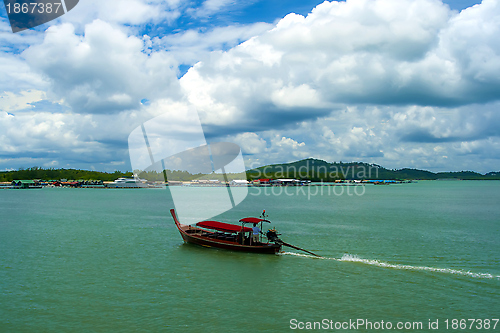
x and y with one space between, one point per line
253 220
226 227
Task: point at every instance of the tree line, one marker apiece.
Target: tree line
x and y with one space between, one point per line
58 174
310 169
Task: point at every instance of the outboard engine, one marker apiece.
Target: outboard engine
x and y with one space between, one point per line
272 236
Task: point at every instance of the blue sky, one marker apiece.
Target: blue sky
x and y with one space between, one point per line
399 83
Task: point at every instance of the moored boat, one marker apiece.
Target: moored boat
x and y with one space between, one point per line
128 183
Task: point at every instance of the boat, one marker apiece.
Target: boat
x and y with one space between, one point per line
228 236
128 183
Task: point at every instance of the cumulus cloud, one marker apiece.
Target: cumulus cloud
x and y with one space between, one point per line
250 143
470 42
463 138
192 45
388 52
11 102
72 140
16 75
427 124
104 71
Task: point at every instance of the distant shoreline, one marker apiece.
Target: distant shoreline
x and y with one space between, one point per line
6 185
314 170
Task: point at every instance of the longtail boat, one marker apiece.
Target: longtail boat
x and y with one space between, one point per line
228 236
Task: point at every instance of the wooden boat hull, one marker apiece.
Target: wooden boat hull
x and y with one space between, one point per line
194 235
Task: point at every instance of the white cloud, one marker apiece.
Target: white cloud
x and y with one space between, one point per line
283 148
381 52
301 96
39 138
464 138
210 7
399 29
103 71
11 102
190 46
282 141
126 12
250 143
16 75
11 42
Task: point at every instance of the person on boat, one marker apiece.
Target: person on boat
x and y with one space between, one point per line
255 233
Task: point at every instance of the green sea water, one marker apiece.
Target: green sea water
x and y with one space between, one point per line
95 260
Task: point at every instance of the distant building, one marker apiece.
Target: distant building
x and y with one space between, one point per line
25 184
264 182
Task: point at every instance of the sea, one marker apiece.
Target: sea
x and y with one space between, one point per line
417 257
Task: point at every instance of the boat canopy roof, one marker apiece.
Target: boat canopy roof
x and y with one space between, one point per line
226 227
253 220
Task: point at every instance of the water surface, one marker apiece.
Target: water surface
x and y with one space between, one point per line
81 260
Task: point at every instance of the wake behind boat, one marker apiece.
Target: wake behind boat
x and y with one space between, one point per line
232 237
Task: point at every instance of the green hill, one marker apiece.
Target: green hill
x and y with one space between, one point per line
319 170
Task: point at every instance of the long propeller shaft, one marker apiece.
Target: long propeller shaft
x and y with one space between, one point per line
298 248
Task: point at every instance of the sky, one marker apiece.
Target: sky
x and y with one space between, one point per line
398 83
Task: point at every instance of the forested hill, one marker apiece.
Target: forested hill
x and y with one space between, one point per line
317 170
